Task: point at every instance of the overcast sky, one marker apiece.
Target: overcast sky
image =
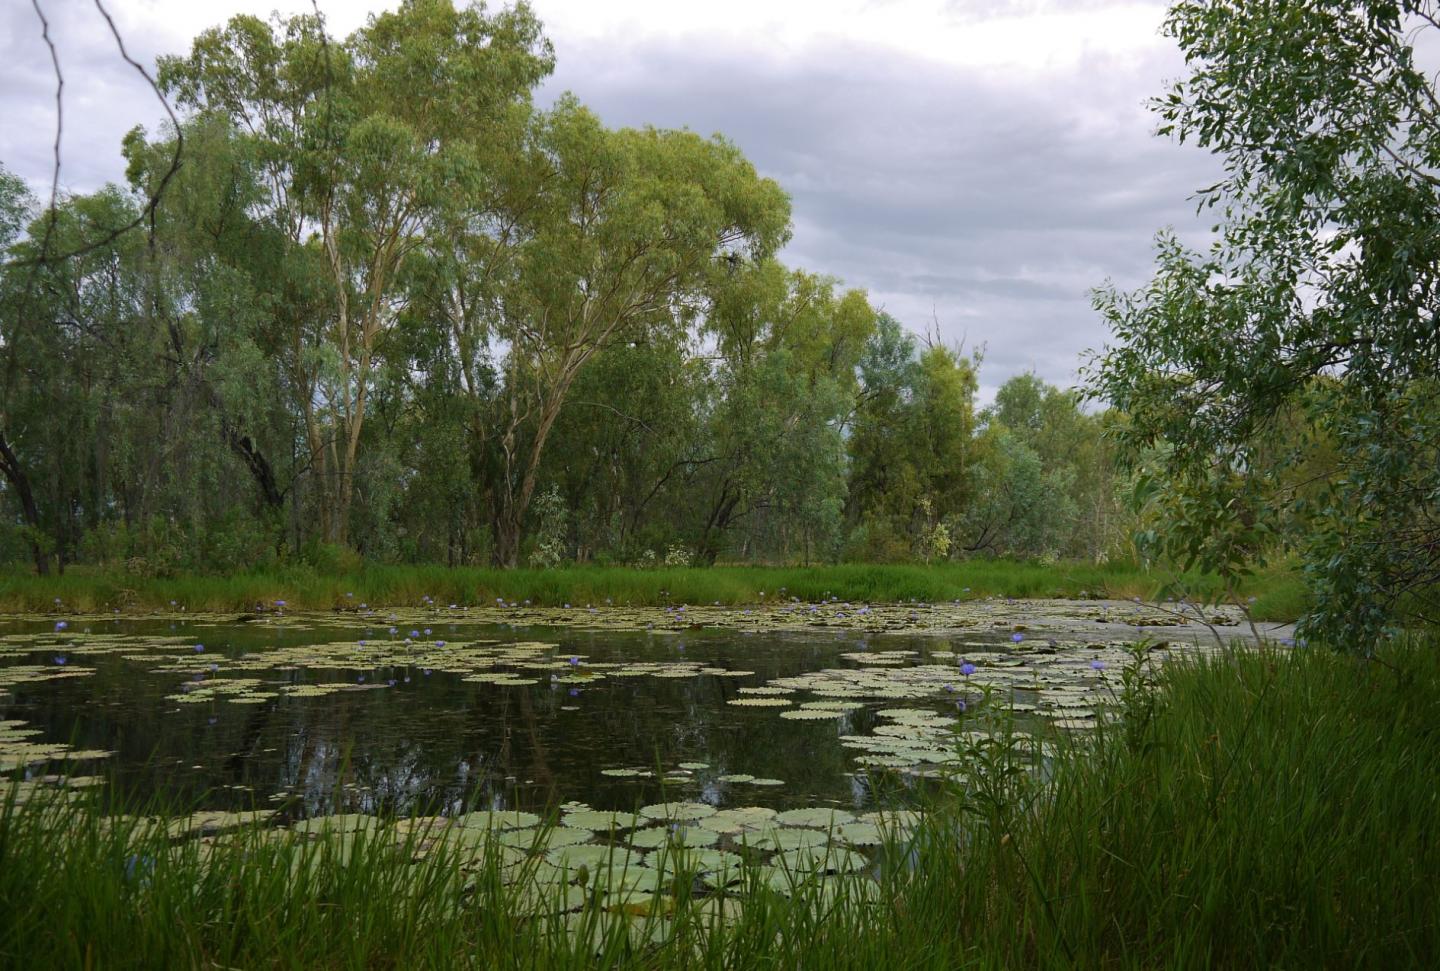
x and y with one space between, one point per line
976 164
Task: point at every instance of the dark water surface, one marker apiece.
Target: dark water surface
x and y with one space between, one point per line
409 741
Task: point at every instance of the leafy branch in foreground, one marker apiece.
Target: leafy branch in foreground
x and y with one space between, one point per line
1283 386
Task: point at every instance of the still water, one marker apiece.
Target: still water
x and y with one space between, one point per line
368 716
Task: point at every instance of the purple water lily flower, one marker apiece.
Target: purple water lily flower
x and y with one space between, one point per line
60 659
199 648
61 624
1098 665
1017 637
967 669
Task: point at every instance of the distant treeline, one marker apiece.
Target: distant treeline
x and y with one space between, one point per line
387 308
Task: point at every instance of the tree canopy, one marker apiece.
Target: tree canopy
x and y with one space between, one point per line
388 306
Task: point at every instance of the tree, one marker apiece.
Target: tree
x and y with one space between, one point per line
364 145
16 209
771 471
1077 511
911 444
1316 303
622 238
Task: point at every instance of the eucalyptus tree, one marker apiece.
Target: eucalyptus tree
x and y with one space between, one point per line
910 447
1079 510
632 430
225 291
1318 299
365 145
617 245
17 207
773 461
77 380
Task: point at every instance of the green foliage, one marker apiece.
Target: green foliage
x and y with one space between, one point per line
1305 338
386 299
911 447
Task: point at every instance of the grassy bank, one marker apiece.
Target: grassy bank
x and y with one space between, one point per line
1260 809
1278 595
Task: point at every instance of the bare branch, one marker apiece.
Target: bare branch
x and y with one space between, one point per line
148 213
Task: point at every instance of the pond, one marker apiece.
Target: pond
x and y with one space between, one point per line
443 710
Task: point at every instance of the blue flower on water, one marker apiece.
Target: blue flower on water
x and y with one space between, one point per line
950 687
1098 665
427 632
1017 637
61 625
359 679
391 682
574 661
394 631
60 659
967 669
427 672
439 643
574 692
960 705
199 648
279 603
414 633
138 867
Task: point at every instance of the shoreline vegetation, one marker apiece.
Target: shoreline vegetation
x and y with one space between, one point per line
1278 594
1251 808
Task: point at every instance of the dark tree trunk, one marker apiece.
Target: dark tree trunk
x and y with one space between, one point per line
255 461
20 482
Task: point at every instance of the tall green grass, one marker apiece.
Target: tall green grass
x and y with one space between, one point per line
1255 809
1278 594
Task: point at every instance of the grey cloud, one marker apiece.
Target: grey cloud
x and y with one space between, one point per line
990 205
103 96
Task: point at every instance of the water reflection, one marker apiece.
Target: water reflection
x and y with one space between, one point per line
408 739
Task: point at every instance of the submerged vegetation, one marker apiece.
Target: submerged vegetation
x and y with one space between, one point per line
1248 809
